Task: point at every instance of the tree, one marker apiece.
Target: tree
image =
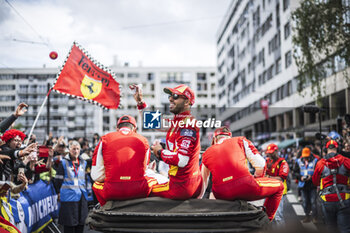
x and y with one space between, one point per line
18 126
321 41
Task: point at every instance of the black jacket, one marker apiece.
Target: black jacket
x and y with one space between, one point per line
5 124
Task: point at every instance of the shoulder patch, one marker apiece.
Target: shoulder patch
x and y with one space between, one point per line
188 133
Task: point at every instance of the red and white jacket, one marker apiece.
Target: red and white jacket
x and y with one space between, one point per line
227 160
183 148
120 156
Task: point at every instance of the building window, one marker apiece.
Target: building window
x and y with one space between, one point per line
7 108
278 15
120 75
233 65
290 88
201 76
221 66
270 72
261 57
288 58
275 42
286 30
7 87
264 78
256 17
6 76
285 4
7 98
222 94
23 88
221 50
222 81
106 119
260 79
266 25
339 63
278 65
150 76
249 67
133 75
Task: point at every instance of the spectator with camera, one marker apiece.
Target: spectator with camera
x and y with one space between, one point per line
303 170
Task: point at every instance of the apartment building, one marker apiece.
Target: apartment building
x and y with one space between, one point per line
76 118
255 63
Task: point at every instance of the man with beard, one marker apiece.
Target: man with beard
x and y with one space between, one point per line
182 146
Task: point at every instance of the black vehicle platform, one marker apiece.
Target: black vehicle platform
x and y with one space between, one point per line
156 214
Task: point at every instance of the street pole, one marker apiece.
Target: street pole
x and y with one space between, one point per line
315 109
48 111
85 124
319 120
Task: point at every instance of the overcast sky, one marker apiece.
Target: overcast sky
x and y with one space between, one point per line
153 32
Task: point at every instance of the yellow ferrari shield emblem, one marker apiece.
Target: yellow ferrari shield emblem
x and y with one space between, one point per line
90 88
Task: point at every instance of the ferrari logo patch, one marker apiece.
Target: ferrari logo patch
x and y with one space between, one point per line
90 88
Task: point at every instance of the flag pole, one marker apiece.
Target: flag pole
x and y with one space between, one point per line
37 116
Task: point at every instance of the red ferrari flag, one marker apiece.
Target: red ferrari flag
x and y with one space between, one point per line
86 79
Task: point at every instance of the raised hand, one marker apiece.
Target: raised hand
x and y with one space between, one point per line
138 96
3 157
31 148
21 109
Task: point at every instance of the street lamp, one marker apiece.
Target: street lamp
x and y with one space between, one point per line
315 109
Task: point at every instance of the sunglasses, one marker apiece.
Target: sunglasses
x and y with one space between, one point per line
176 96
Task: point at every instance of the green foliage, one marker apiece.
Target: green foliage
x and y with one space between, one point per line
18 126
321 33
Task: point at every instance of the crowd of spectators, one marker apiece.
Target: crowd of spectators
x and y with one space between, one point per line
302 158
24 161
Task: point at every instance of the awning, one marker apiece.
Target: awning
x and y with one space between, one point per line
287 143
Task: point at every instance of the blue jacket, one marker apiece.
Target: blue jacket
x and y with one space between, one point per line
74 185
306 170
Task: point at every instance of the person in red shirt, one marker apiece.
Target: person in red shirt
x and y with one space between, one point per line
182 146
226 160
332 176
119 164
277 168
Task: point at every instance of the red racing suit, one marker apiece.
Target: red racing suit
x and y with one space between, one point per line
231 178
118 167
278 168
323 177
182 155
